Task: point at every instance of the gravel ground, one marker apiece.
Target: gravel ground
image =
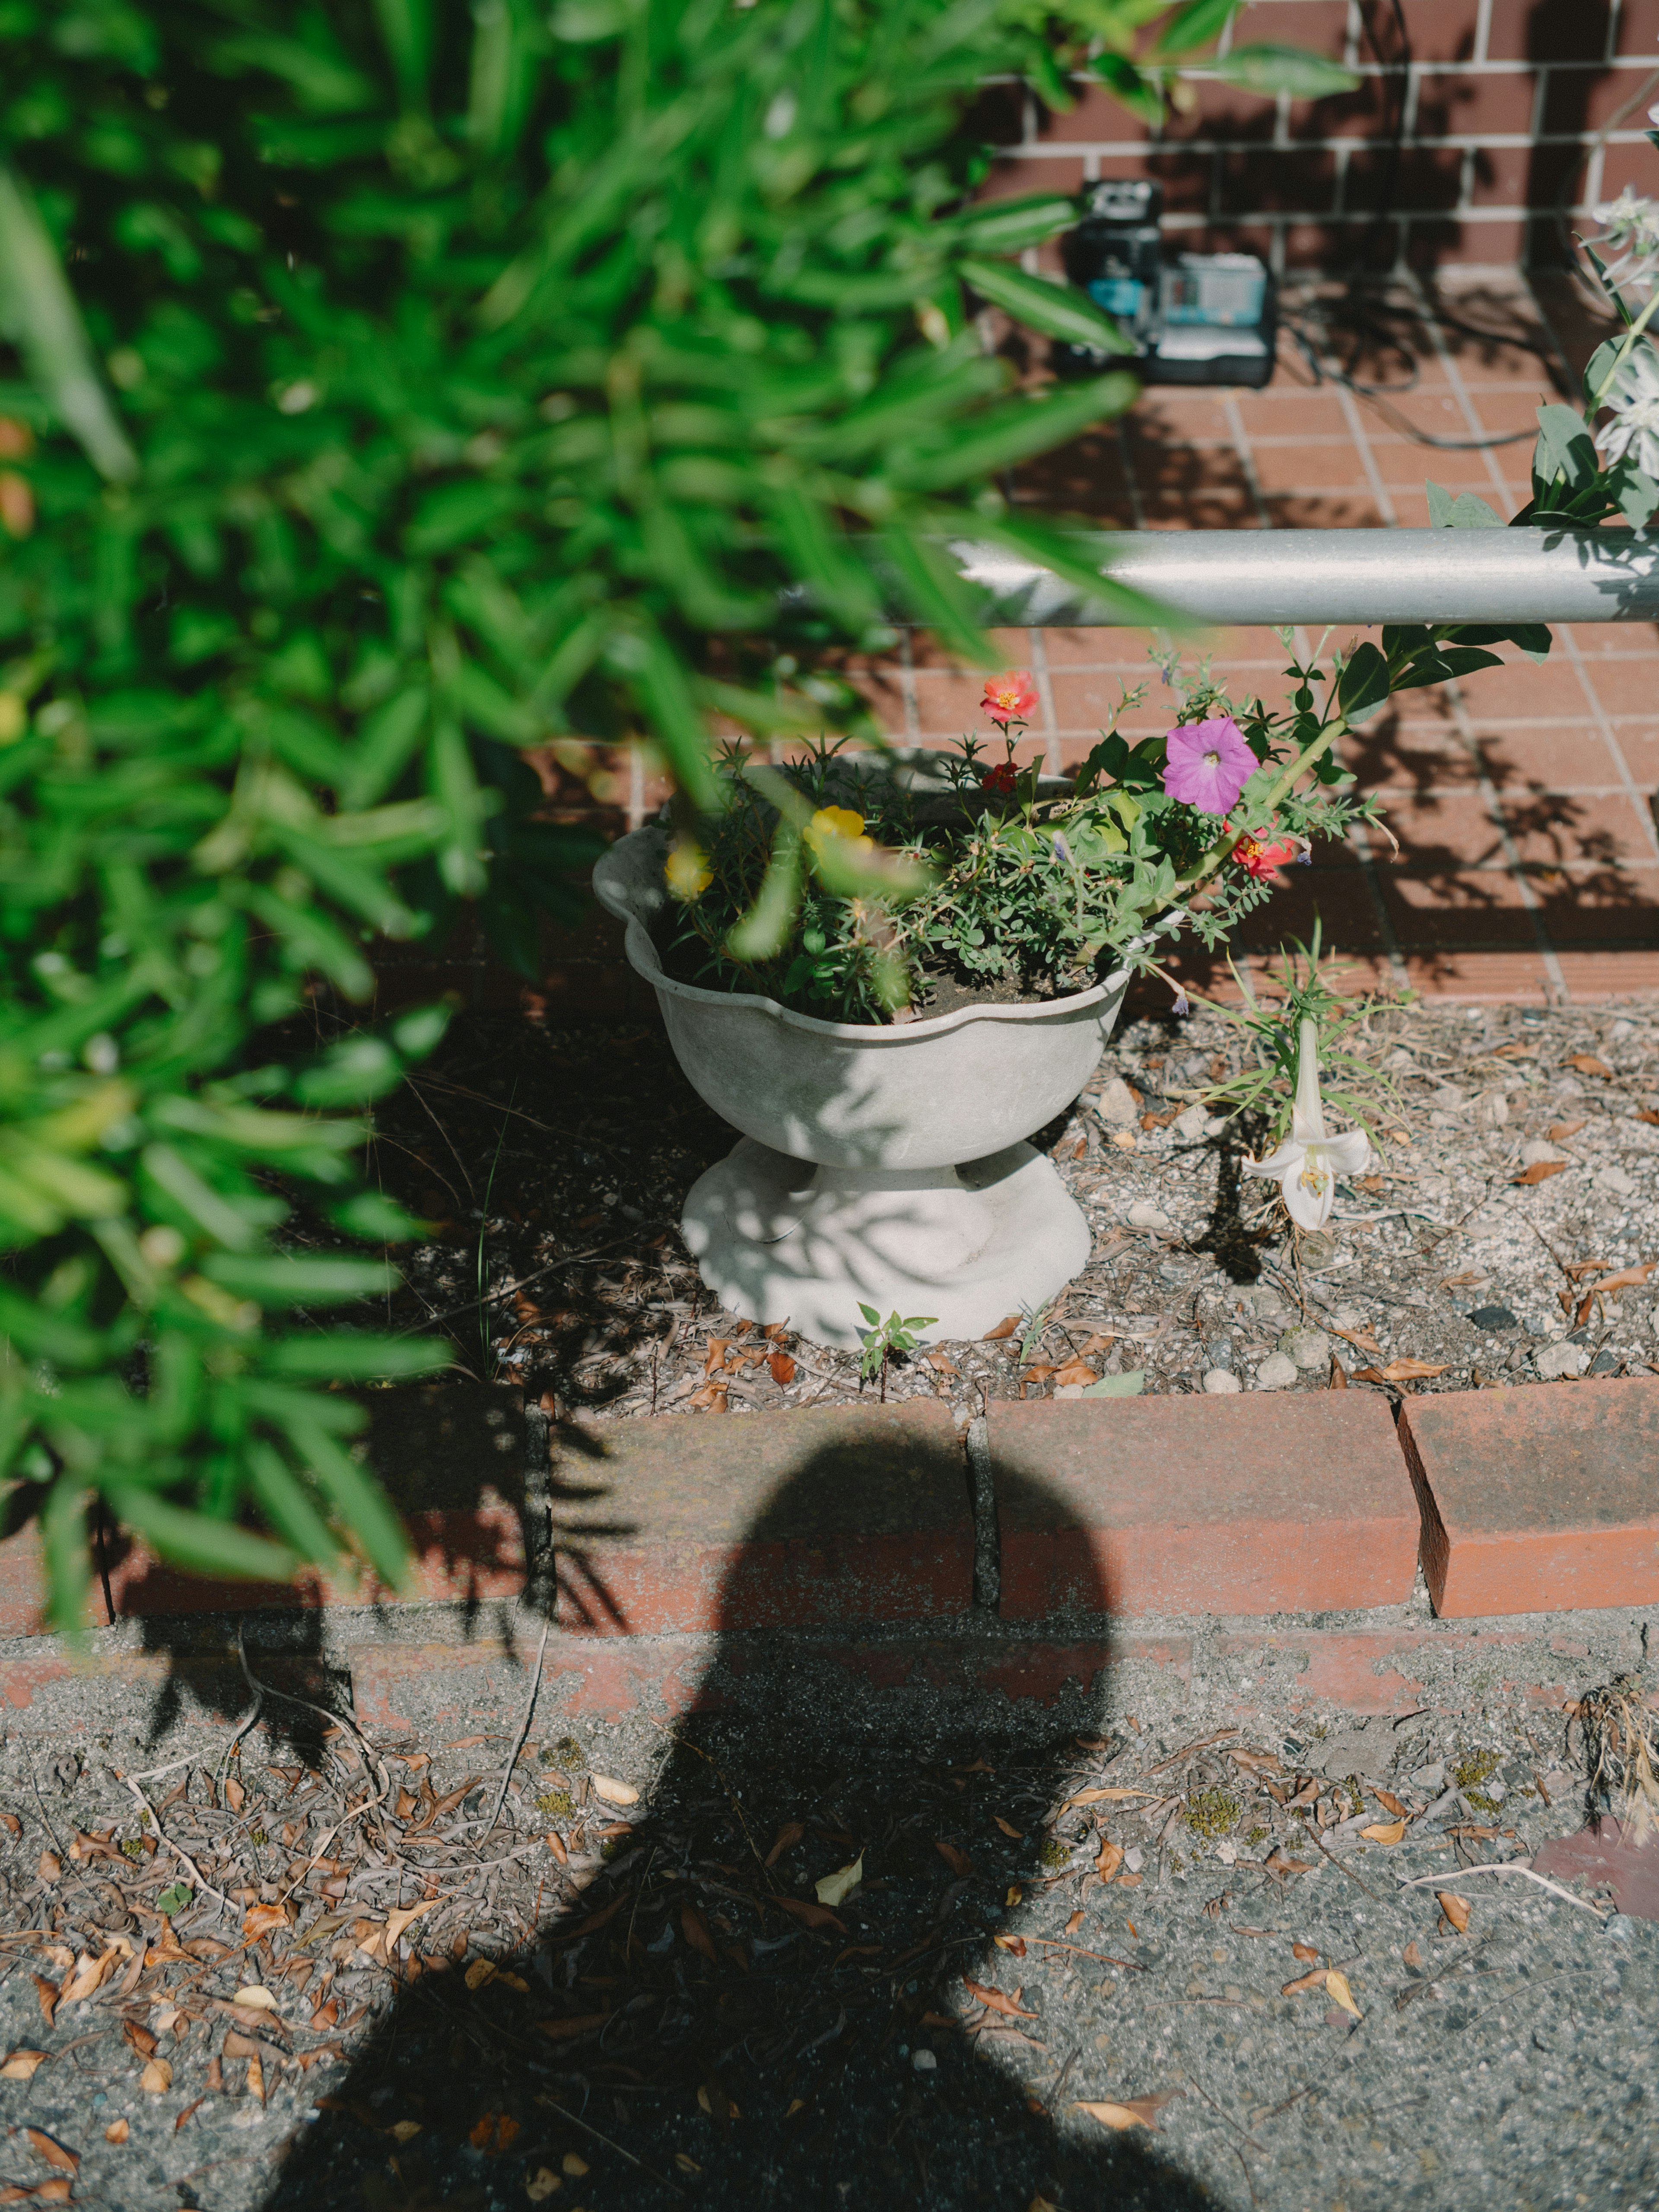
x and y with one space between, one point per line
657 2009
1440 1255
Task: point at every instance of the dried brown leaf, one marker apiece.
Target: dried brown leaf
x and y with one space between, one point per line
696 1931
561 2031
1384 1832
54 2153
1315 1980
139 2036
21 2065
786 1840
1008 1828
49 1867
994 2001
1336 1986
1558 1131
116 2131
783 1369
235 1796
1540 1172
810 1915
1131 2112
47 1993
157 2078
1003 1329
1455 1908
1588 1063
958 1861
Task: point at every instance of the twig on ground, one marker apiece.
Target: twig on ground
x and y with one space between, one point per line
518 1741
1349 1871
1512 1867
177 1850
587 2127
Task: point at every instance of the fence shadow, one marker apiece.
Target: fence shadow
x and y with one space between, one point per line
694 2026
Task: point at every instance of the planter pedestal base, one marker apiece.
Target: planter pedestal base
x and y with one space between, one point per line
778 1239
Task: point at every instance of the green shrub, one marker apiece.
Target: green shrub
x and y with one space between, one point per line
436 379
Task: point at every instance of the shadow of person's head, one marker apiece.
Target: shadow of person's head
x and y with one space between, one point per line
777 1979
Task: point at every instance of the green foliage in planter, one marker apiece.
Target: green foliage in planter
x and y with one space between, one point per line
387 387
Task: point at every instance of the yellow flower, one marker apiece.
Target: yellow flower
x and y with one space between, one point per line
841 824
686 869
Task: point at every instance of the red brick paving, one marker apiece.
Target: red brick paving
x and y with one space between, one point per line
1198 1504
1537 1499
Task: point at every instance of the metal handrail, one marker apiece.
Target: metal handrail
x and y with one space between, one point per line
1317 577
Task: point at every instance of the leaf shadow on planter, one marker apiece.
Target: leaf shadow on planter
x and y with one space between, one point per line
692 2022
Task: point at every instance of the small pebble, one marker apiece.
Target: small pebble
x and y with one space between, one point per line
1220 1382
1275 1372
1117 1107
1558 1360
1307 1348
923 2062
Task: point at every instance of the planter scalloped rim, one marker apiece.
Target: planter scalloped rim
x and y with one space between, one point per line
879 1165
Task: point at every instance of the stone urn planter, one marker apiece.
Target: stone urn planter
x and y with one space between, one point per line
878 1165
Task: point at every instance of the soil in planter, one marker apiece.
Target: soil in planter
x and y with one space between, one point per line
944 990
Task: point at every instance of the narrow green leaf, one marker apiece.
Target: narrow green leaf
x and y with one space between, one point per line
357 1497
64 1540
39 314
190 1540
1197 24
937 596
1292 70
1129 1384
282 1499
350 1355
761 932
283 1280
1061 311
1013 433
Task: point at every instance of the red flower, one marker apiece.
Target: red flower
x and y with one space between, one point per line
1001 780
1259 859
1009 697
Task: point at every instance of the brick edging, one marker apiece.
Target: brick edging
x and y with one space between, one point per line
866 1518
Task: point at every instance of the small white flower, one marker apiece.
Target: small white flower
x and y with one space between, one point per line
1633 397
1631 228
1307 1165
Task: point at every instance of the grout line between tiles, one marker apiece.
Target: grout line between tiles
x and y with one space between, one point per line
1241 438
1529 898
1039 650
1603 723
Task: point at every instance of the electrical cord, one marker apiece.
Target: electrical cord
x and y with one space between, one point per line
1368 313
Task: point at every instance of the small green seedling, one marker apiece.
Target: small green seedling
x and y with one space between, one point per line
884 1341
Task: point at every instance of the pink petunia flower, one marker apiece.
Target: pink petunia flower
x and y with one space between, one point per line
1009 697
1209 764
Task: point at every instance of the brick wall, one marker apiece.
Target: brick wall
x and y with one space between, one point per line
1509 110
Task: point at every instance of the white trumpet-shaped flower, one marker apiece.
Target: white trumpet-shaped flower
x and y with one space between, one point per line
1307 1164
